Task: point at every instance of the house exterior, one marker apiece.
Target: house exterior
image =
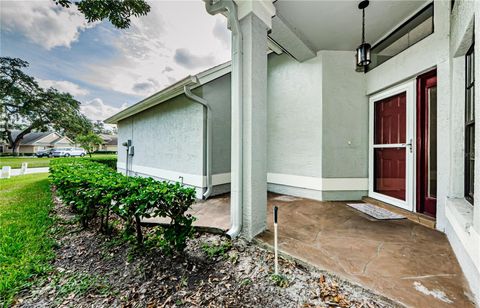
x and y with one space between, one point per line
303 119
36 141
109 143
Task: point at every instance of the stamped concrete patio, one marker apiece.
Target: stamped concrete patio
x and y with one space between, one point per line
400 259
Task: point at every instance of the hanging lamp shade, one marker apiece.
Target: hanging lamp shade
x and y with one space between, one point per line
363 51
363 54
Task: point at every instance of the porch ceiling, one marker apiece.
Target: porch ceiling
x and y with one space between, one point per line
336 25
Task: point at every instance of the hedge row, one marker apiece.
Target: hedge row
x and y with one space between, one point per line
97 192
109 161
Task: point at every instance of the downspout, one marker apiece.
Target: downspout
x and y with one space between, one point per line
236 184
208 158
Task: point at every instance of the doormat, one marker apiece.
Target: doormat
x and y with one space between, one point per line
375 211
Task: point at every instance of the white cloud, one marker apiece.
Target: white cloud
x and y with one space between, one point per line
187 59
147 49
221 32
63 86
96 109
43 22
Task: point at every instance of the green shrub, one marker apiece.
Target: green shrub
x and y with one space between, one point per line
94 190
145 197
104 152
109 161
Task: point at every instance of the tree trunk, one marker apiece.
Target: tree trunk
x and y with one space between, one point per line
15 147
139 230
15 143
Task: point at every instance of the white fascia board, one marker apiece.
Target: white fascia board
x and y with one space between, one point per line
155 99
172 91
213 73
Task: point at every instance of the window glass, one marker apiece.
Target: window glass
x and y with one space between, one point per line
409 33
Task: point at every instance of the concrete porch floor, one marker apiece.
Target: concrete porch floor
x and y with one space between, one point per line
400 259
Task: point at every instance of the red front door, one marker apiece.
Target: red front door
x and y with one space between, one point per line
390 134
427 143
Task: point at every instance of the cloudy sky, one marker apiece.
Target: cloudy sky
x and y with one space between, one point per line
105 68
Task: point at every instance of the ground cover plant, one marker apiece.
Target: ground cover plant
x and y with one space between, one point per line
25 245
39 162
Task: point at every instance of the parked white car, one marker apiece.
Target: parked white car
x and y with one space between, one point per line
66 152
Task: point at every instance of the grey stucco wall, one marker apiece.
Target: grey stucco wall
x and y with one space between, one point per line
168 136
345 118
217 93
294 116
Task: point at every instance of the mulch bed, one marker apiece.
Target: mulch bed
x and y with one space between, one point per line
94 270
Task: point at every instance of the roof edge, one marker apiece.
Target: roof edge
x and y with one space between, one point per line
32 142
171 92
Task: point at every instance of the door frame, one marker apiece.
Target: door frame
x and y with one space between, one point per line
423 159
409 87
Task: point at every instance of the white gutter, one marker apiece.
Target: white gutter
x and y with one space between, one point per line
208 162
228 8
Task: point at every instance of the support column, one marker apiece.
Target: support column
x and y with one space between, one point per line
254 90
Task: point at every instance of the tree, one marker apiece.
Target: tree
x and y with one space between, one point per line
99 128
89 142
27 107
118 12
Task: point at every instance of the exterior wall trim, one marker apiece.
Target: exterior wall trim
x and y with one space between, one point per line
307 182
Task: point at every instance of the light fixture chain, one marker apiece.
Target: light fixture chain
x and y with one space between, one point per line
363 26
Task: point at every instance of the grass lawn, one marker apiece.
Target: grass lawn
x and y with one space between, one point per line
36 162
25 244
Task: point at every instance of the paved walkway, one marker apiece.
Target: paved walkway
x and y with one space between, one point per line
211 214
402 260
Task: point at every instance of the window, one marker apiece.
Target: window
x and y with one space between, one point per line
469 124
412 31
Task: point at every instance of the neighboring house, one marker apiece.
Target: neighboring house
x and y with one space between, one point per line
109 143
302 121
36 141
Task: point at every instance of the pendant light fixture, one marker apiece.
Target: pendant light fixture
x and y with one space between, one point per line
363 51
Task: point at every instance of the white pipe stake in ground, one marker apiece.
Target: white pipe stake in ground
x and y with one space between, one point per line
275 236
6 172
24 168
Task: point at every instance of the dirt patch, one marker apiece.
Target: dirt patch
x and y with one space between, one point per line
93 270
